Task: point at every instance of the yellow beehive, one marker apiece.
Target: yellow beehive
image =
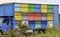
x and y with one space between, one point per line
18 13
18 17
24 9
24 5
44 10
50 17
43 6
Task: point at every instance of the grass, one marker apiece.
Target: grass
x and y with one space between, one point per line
49 33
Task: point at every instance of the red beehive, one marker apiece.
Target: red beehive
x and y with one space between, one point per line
37 16
31 16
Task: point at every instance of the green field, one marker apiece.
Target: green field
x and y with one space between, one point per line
49 33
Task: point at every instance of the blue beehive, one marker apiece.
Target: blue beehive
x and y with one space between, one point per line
43 24
31 24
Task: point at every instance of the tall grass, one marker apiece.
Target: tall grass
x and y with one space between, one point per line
50 32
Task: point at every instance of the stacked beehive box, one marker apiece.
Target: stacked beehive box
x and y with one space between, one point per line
37 15
33 15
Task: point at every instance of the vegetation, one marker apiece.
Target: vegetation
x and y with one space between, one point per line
50 32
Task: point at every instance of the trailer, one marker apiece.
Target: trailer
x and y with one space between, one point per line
35 16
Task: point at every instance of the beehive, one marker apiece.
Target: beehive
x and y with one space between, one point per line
40 15
36 15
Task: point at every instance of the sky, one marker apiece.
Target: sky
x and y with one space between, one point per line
33 1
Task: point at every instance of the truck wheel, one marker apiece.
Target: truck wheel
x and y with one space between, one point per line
1 32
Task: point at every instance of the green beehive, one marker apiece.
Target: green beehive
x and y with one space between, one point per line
30 7
50 8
